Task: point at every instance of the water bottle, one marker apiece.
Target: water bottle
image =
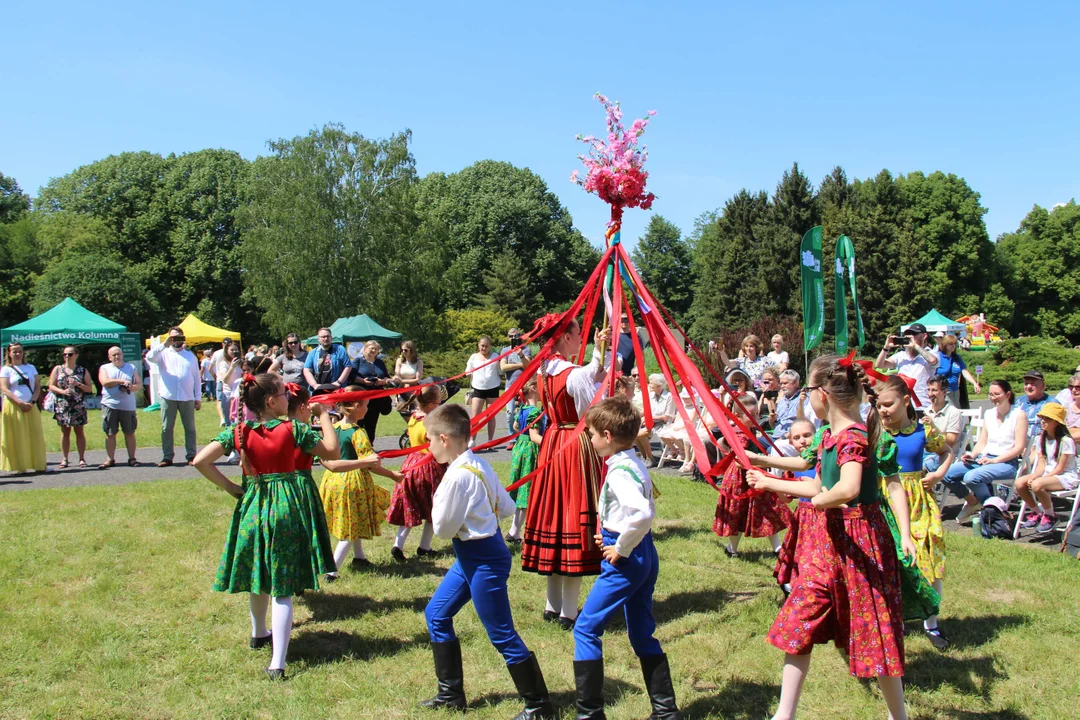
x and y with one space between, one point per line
976 526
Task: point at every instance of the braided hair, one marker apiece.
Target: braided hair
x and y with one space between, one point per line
846 384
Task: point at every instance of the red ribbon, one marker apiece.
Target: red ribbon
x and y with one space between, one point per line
248 378
292 388
876 376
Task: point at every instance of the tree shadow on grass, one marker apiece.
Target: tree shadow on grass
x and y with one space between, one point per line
987 715
409 569
327 607
614 689
736 700
679 532
680 604
973 632
6 481
932 671
319 647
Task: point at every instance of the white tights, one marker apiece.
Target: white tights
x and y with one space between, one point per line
733 541
342 551
425 537
281 621
562 595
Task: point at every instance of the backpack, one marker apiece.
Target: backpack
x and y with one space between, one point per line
996 523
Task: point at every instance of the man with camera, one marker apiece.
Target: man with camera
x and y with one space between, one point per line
117 378
910 358
511 366
179 391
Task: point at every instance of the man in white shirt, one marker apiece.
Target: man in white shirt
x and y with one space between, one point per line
662 407
912 360
179 391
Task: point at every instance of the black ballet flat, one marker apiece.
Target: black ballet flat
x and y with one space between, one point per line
261 642
275 675
551 616
937 639
731 553
331 578
566 623
421 552
397 554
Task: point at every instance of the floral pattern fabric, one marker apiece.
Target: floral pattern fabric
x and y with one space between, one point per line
355 506
278 543
70 411
847 592
523 457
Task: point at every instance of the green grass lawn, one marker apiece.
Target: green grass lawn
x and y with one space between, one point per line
108 613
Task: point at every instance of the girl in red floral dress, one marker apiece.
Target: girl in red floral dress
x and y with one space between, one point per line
561 518
848 586
737 515
410 501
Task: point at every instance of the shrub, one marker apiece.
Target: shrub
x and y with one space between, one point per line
463 328
1015 357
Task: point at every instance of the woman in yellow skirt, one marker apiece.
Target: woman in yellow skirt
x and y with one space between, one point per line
355 506
913 440
22 442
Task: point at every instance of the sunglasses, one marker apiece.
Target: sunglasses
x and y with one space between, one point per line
293 342
69 354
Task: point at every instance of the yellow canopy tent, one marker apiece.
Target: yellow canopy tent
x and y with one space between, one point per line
199 333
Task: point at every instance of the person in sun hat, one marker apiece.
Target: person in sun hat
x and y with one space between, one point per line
1055 469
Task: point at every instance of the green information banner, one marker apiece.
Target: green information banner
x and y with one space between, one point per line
845 264
813 289
131 345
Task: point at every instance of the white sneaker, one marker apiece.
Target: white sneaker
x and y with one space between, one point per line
966 514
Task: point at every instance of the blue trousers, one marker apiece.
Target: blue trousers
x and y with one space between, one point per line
628 585
479 574
964 477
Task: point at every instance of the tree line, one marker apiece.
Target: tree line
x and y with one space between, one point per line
333 224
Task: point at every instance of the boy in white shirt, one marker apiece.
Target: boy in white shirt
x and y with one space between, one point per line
628 572
466 509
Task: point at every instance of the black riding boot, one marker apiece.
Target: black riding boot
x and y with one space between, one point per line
530 685
449 673
657 674
589 679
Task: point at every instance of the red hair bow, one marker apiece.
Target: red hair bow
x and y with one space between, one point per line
249 378
910 382
544 324
292 388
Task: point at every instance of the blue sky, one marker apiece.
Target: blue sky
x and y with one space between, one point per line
985 90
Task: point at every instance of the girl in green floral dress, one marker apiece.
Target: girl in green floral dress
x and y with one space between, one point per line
526 451
278 543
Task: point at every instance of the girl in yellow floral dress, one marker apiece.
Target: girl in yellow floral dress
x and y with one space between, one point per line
354 504
913 439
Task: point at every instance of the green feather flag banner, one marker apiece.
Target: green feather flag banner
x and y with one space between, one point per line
845 263
813 290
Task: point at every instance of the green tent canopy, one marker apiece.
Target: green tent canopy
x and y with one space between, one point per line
935 321
357 328
68 323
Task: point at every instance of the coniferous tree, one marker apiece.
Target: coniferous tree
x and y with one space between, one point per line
665 263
